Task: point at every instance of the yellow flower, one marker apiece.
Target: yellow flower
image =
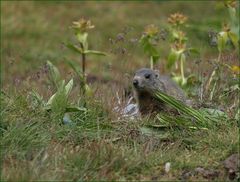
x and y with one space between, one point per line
151 30
82 25
236 69
177 19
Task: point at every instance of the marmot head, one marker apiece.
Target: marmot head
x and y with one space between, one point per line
146 80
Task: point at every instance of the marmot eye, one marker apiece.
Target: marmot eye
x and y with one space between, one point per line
147 76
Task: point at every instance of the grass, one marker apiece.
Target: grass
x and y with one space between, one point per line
99 144
36 147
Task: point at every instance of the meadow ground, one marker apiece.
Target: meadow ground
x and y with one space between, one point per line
99 144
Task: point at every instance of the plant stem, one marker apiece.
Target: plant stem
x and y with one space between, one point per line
151 62
182 69
83 68
214 72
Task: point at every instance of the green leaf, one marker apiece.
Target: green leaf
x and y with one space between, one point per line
76 68
172 58
54 74
177 79
89 91
74 48
82 38
149 49
222 40
180 106
59 101
68 87
37 97
234 38
193 50
75 109
51 99
215 112
154 133
237 115
95 52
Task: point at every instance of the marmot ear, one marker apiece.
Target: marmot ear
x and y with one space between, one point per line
157 73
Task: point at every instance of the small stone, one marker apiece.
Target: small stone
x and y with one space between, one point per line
167 167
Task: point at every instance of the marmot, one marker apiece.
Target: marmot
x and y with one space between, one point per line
145 82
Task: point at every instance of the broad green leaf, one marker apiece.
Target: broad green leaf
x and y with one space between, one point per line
172 58
75 109
54 74
59 102
95 52
51 99
74 48
234 39
68 87
222 40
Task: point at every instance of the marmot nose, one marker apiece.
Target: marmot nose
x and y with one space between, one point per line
135 82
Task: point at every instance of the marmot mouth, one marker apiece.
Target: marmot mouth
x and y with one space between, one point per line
137 87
